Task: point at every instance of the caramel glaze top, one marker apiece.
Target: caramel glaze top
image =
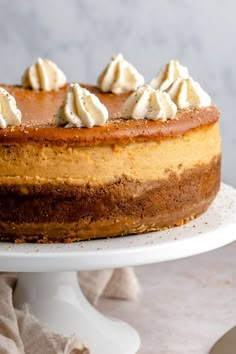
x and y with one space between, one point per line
38 108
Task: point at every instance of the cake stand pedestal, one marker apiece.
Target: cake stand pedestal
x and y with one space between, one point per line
47 281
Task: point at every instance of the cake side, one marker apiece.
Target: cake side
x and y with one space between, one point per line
63 193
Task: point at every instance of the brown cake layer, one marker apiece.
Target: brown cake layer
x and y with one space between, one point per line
66 213
38 108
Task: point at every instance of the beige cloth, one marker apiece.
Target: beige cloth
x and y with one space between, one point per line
21 333
112 283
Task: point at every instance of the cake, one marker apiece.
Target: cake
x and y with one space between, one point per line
126 175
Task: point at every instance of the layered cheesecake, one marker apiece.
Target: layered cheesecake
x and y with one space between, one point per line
128 175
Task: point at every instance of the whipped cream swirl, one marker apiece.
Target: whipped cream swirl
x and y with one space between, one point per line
43 75
9 113
187 93
80 109
168 74
148 103
119 76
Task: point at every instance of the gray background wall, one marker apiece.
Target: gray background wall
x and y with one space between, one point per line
81 36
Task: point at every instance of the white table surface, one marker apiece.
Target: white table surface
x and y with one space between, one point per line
186 305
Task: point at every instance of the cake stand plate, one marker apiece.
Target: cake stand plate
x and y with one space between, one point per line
47 281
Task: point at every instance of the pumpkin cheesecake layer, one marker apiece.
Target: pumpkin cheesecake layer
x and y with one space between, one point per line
65 184
151 160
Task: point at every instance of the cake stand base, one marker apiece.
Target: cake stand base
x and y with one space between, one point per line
57 301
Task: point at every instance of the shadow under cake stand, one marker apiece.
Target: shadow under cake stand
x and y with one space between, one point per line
47 279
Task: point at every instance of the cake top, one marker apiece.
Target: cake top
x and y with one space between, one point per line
38 124
45 102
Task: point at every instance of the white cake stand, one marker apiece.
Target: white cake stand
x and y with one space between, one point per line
55 298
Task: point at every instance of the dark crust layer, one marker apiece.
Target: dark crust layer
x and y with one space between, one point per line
38 107
122 207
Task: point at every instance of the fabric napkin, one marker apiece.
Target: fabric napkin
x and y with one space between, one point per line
21 333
